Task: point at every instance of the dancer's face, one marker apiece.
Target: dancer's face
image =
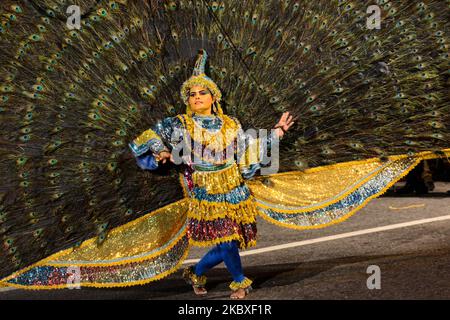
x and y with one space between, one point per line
200 100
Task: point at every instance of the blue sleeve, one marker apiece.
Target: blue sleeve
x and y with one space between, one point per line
147 162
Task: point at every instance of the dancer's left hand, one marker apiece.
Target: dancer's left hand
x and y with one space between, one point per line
286 121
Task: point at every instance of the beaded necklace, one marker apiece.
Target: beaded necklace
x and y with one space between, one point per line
215 141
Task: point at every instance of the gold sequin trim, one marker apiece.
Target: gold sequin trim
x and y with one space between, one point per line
193 279
146 136
243 212
208 243
222 181
241 285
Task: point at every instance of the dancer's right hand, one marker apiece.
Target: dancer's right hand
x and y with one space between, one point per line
163 156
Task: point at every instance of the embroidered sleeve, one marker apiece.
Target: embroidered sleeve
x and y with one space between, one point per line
163 136
252 150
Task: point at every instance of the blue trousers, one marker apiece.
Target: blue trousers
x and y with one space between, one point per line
228 252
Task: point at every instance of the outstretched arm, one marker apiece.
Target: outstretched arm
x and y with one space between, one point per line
251 151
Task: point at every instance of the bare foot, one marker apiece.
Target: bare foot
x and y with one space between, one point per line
238 294
200 291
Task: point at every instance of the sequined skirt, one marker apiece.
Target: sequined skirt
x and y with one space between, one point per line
221 207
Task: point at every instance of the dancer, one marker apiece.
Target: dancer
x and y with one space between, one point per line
222 210
74 207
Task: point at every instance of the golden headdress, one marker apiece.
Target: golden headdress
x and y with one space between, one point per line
199 78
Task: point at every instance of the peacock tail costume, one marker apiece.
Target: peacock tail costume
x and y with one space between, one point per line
74 208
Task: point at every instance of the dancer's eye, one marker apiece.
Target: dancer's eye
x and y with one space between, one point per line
203 92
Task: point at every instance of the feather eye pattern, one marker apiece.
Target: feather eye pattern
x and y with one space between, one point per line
72 99
364 90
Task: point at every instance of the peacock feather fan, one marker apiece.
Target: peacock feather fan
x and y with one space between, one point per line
72 99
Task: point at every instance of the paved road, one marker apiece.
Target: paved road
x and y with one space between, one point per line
414 261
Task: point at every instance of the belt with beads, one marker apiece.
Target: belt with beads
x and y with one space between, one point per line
212 167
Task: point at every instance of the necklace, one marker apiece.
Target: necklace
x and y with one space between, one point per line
212 124
215 141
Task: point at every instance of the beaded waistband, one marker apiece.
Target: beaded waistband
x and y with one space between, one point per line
212 167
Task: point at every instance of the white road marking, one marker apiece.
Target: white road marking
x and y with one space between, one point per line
408 207
335 237
322 239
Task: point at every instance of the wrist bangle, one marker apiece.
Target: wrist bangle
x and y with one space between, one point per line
284 131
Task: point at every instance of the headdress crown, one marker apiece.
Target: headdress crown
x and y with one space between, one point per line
199 78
